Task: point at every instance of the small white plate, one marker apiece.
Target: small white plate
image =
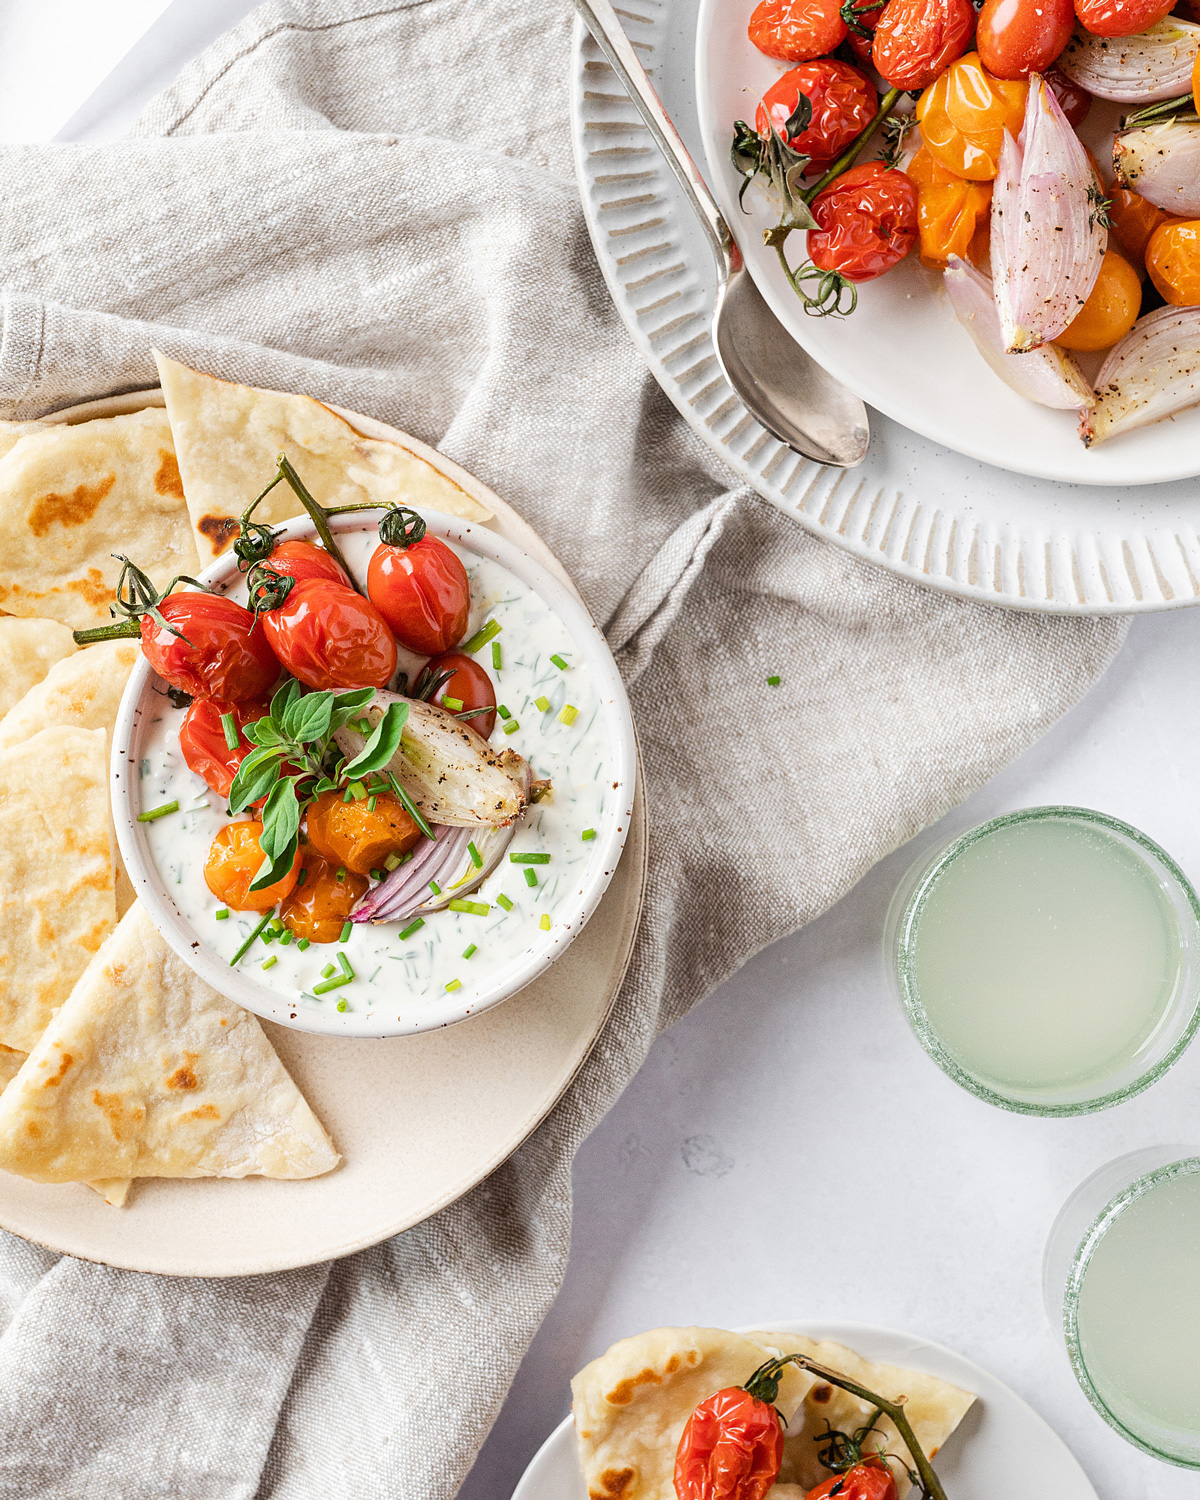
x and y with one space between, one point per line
1001 1447
903 350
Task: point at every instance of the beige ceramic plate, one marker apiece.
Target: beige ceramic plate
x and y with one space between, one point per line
419 1120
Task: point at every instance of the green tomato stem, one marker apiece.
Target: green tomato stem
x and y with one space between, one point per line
854 150
127 629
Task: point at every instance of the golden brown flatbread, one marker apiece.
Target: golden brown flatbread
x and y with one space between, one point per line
12 432
83 690
10 1065
28 649
229 437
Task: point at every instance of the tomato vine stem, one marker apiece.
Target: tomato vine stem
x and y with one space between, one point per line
854 150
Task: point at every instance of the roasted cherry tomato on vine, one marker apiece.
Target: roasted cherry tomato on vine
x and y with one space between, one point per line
732 1444
234 859
950 209
1173 261
1015 38
327 636
843 104
320 902
204 745
867 221
1073 99
1134 220
223 655
1120 17
796 30
469 687
305 561
1111 308
418 585
916 39
866 15
356 836
869 1480
963 117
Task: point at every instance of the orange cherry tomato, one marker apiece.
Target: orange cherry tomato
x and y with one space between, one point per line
796 30
730 1449
422 591
202 740
1196 75
327 636
320 904
1134 220
355 837
1111 309
950 209
869 1480
222 656
843 104
1173 261
234 859
305 561
1073 99
867 221
963 117
1120 17
1015 38
470 687
916 39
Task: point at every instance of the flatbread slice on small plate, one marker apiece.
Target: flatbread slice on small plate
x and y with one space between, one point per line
228 439
28 650
146 1071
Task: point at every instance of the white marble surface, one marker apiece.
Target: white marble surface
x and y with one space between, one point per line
788 1150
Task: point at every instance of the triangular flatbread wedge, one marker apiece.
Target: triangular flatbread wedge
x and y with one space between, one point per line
147 1072
933 1407
84 690
631 1404
57 899
11 433
229 437
70 496
10 1065
28 649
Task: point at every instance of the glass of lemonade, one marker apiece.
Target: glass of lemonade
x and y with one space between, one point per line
1049 960
1122 1282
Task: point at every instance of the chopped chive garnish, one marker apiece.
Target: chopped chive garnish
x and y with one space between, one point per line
302 877
529 859
358 791
481 637
222 915
497 657
559 663
341 876
511 727
569 714
411 928
344 965
376 874
276 926
269 963
269 936
502 711
348 796
543 703
250 941
773 681
371 801
328 971
588 833
469 951
473 908
341 1005
502 900
158 812
435 888
347 929
302 943
455 984
476 857
530 878
330 984
229 725
453 704
285 937
410 807
544 924
392 862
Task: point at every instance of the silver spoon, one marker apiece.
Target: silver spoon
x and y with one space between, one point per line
781 386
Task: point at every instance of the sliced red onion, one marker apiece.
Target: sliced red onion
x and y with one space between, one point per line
1047 375
1162 162
1152 373
393 894
1048 237
1155 64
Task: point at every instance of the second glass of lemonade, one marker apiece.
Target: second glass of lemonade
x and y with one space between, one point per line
1049 960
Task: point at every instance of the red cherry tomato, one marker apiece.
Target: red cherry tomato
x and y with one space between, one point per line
796 30
1120 17
327 636
223 656
1015 38
731 1448
422 592
305 561
470 687
871 1480
916 39
843 102
867 219
1073 99
202 740
867 14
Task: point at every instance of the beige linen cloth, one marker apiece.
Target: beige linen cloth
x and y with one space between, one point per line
374 203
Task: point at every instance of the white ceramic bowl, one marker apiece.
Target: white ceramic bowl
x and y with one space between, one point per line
481 989
903 350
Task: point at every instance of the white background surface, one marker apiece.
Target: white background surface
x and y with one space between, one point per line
788 1151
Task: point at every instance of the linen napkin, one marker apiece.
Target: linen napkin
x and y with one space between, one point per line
373 203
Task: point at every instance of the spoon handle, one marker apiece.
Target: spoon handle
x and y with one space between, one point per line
601 20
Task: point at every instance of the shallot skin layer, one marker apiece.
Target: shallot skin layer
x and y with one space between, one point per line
1152 373
1162 163
1156 64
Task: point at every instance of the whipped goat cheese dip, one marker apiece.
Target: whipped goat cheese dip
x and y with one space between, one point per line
447 951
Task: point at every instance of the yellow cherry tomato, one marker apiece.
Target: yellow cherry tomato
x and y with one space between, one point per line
963 116
1196 82
234 859
1134 219
1110 311
1173 260
950 209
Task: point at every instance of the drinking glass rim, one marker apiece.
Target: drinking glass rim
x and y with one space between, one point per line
915 1010
1188 1166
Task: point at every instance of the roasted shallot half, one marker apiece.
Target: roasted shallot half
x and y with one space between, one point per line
1155 64
1153 372
1162 163
1048 227
1047 375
